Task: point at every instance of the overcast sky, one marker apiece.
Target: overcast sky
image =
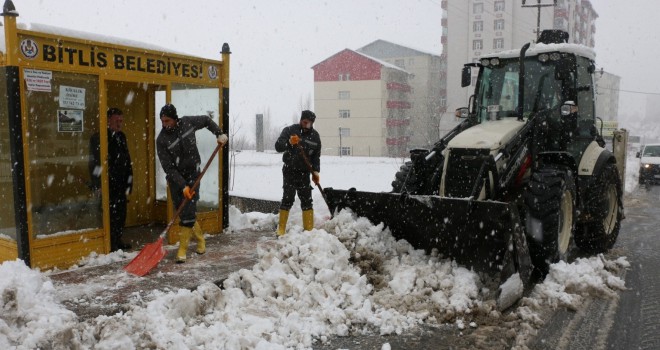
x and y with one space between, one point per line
274 44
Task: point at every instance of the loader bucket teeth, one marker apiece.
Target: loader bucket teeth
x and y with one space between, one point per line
483 235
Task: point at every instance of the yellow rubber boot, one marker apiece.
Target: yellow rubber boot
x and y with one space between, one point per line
199 236
308 219
284 217
184 239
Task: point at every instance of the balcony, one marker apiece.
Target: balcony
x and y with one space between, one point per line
396 141
396 123
398 87
398 105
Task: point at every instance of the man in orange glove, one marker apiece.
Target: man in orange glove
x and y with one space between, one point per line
293 141
176 146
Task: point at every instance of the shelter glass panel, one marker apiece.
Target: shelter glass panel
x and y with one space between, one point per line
7 219
191 100
61 118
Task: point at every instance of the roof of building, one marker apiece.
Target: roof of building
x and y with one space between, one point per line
381 62
385 49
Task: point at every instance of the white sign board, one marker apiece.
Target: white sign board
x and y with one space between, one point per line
38 80
72 97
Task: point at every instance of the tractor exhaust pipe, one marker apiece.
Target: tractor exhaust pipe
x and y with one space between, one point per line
521 82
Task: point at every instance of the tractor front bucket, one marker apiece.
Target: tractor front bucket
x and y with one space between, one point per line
483 235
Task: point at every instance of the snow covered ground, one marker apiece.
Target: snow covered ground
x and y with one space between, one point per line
347 276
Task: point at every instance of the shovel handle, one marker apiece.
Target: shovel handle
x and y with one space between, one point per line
194 187
311 170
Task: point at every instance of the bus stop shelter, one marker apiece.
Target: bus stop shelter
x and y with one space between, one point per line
57 84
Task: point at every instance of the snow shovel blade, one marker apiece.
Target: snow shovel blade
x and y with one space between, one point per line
153 253
483 235
147 259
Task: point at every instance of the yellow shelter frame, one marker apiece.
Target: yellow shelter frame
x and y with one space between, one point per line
51 78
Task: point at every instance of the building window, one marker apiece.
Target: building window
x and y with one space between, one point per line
499 24
411 62
478 26
477 44
401 63
344 113
499 5
478 8
345 151
347 76
344 132
341 77
498 43
344 95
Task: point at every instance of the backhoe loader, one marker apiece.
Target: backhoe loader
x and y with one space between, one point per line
525 176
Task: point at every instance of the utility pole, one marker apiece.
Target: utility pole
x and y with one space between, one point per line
538 16
340 148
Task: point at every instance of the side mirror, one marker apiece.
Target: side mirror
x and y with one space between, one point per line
569 115
466 76
462 112
639 155
568 108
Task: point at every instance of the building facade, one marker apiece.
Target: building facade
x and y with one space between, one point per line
472 28
427 95
362 105
607 95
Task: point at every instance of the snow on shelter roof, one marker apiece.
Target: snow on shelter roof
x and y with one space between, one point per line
48 29
538 48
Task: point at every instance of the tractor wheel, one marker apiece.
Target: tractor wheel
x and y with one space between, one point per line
405 180
550 216
604 202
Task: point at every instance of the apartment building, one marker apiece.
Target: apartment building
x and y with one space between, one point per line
427 95
362 105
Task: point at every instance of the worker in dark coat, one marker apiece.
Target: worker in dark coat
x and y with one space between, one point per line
177 150
120 172
294 141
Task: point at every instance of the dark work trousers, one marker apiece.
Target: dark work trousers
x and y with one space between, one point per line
296 182
188 215
118 204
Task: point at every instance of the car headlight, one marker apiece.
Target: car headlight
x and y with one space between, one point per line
646 166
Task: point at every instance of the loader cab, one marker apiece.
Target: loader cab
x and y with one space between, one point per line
557 87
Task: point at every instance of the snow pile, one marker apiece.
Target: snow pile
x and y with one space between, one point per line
346 277
251 221
406 279
29 314
567 284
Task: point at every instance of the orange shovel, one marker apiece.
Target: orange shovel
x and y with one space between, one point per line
153 253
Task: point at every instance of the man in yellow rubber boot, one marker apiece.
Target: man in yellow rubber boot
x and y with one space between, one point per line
293 141
177 150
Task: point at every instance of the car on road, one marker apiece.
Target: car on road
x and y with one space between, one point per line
649 166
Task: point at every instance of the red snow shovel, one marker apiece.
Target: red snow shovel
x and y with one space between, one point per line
153 253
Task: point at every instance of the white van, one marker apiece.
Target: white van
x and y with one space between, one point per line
649 166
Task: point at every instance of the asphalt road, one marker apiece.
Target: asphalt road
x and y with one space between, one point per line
637 320
631 321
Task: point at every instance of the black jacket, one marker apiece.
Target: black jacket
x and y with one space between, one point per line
120 168
177 149
293 160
